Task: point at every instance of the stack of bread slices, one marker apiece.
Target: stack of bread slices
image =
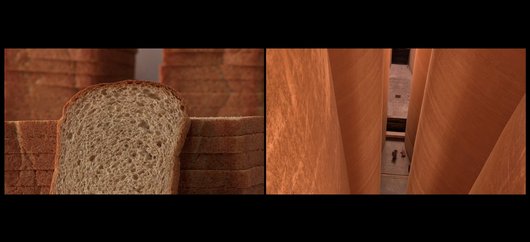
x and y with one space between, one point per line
223 155
217 82
29 151
220 156
38 82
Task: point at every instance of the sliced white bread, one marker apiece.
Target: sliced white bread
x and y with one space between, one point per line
120 138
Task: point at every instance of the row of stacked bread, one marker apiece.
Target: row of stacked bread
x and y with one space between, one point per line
220 156
217 82
38 82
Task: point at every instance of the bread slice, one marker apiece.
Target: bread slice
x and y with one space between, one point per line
257 189
58 79
244 57
198 111
193 59
245 73
213 86
29 146
32 190
89 55
43 178
227 126
184 50
19 178
224 144
68 67
30 101
234 99
22 190
27 161
120 138
29 129
234 161
223 178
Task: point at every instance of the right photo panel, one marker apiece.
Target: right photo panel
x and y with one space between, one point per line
395 121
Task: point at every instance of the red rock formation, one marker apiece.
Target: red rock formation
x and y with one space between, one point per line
419 76
505 170
304 145
469 97
360 77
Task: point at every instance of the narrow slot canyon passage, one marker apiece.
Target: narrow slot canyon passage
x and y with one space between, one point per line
395 163
399 91
394 172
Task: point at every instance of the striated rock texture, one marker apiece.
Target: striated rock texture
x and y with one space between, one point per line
505 170
469 97
304 145
422 58
360 79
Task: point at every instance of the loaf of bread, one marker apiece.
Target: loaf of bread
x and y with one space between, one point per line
120 138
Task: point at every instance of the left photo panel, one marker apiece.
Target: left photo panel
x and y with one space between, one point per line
134 121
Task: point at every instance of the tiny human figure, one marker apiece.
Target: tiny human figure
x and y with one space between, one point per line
394 155
403 154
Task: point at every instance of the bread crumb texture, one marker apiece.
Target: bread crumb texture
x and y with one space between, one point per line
120 139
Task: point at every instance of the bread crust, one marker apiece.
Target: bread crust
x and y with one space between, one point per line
82 93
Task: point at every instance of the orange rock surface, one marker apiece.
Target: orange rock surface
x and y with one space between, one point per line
469 97
360 79
505 170
304 145
422 59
